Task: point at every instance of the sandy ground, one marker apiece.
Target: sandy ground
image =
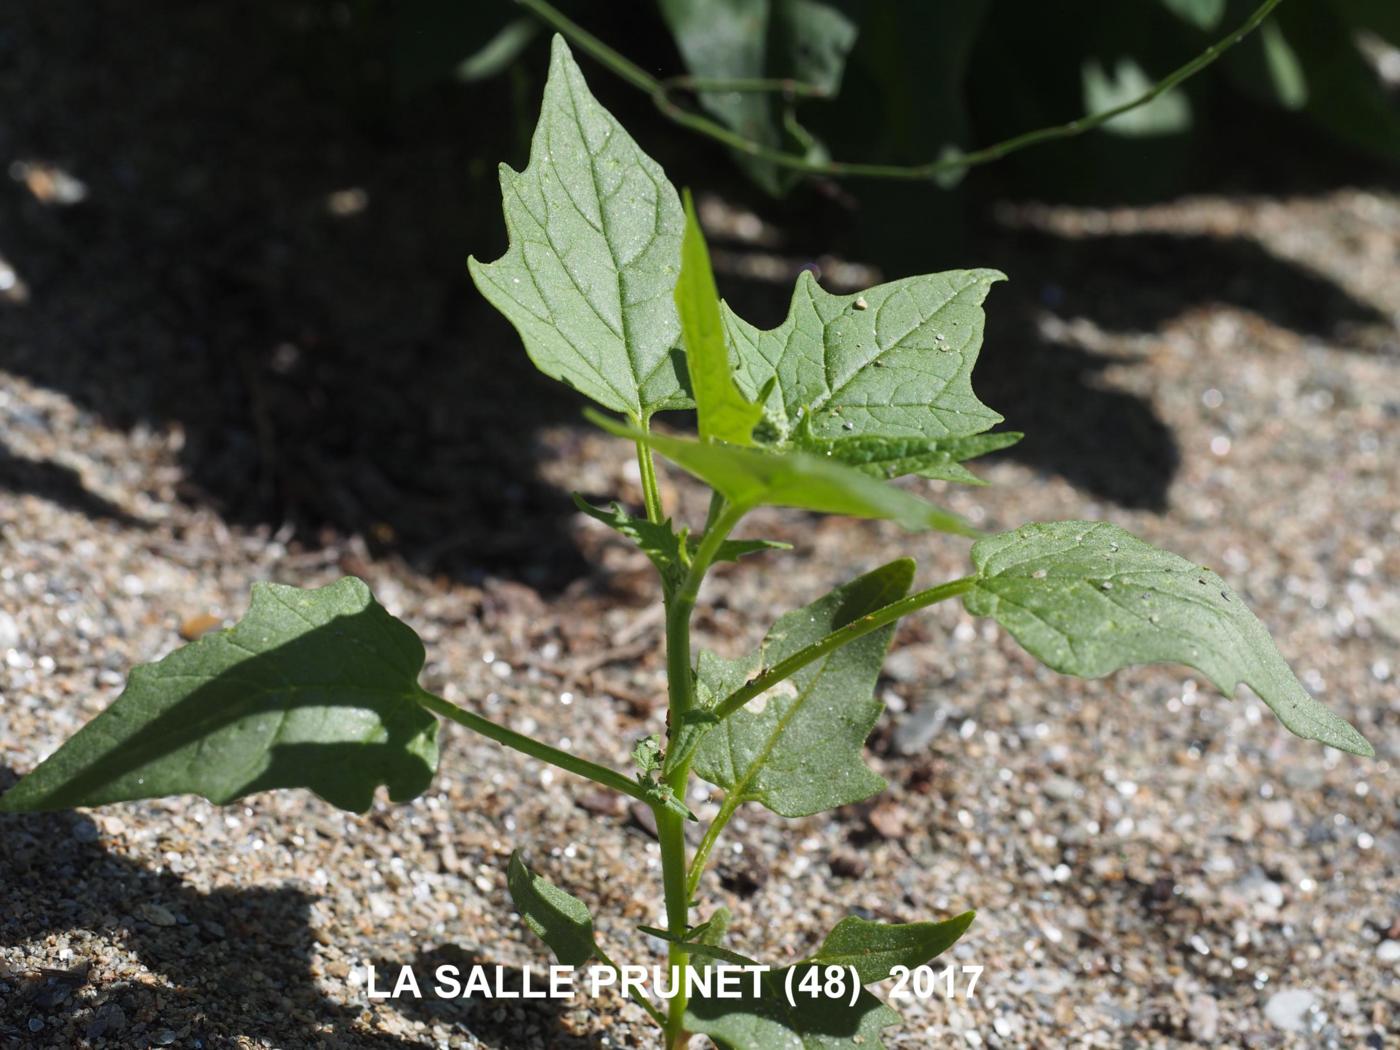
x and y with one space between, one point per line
1151 864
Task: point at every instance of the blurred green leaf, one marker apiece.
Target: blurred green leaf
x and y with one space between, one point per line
1203 14
1168 114
804 40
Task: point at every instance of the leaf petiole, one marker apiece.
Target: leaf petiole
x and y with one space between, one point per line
651 491
582 767
856 629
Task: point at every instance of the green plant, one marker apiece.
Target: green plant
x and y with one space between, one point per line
607 280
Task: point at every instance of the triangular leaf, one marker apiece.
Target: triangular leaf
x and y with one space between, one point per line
313 689
876 948
555 917
722 412
768 1021
797 749
895 360
1088 598
750 477
595 240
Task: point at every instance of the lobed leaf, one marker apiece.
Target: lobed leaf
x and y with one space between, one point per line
893 361
313 689
1087 598
559 919
876 948
797 749
750 477
722 412
595 239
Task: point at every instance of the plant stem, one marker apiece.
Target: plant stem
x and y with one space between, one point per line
660 94
530 746
670 827
712 834
853 630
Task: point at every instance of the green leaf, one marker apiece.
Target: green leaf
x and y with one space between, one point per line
595 240
1087 598
797 748
894 361
806 40
646 753
657 540
1344 91
1167 114
750 478
723 413
313 688
875 948
555 917
1203 14
498 53
892 457
767 1021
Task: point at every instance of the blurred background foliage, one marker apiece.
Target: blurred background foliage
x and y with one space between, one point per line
904 84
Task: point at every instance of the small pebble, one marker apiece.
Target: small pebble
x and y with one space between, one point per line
156 914
1288 1008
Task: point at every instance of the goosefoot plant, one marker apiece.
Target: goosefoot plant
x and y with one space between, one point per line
608 281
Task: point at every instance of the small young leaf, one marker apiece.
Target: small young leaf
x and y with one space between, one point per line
1088 598
646 753
662 544
750 478
797 749
875 948
894 361
595 241
722 412
311 689
767 1021
658 541
555 917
